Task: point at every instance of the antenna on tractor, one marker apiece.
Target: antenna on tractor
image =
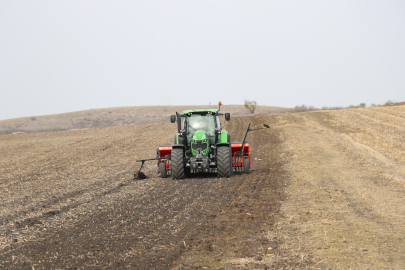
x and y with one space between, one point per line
219 104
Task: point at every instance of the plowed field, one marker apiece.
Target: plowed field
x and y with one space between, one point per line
326 190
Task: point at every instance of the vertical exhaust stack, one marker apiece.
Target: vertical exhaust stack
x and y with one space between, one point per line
178 122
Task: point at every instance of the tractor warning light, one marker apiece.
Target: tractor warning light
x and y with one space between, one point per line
220 103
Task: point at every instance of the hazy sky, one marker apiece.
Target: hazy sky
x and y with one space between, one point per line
61 56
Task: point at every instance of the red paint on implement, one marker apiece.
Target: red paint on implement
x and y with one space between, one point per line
241 161
164 152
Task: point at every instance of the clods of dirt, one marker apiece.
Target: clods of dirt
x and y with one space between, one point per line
140 176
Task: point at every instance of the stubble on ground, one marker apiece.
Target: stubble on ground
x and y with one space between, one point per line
326 191
344 203
70 201
244 234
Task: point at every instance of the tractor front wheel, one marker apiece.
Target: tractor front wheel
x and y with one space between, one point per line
177 162
224 164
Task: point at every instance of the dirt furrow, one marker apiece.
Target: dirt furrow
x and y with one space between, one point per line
326 191
345 201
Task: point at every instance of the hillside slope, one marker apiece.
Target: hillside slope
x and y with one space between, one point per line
326 191
108 117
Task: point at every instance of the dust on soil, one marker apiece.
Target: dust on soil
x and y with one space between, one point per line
326 191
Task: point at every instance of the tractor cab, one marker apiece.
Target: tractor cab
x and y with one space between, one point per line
201 126
199 131
199 135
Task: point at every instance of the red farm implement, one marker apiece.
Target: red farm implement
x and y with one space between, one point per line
239 158
164 162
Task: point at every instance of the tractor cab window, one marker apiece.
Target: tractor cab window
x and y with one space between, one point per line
201 122
218 122
184 123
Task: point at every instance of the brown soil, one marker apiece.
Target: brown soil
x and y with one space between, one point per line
326 191
345 202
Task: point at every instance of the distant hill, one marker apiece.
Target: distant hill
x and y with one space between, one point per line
107 117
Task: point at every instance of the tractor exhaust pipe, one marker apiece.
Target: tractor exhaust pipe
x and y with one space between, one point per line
178 122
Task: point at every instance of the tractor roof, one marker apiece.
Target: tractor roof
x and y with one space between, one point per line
200 111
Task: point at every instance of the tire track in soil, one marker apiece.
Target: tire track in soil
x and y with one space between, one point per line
244 234
51 202
160 223
345 200
141 232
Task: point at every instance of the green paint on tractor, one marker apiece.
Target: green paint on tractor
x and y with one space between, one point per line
201 111
200 135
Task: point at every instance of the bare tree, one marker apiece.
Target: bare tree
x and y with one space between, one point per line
251 105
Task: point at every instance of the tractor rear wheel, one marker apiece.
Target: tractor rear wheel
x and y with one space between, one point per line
231 160
223 162
163 171
246 166
177 161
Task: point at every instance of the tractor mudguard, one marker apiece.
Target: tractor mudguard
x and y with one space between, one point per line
179 139
222 144
224 137
181 146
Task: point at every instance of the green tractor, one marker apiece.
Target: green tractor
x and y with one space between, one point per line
201 145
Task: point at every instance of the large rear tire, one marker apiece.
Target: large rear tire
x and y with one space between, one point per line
177 161
223 162
231 160
163 171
